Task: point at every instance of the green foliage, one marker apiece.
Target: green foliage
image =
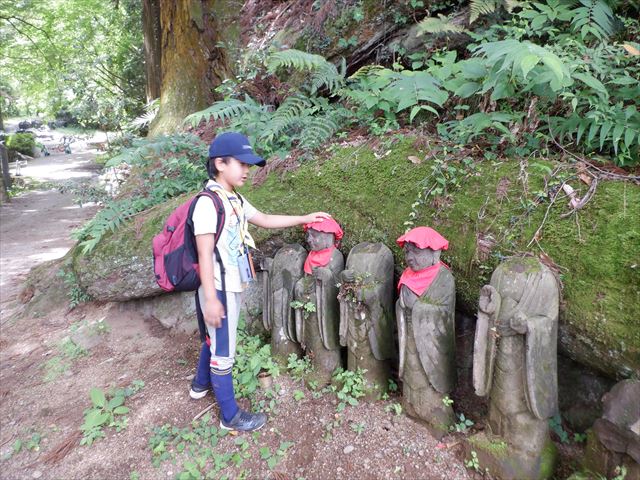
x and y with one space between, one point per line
83 57
299 368
439 25
252 357
348 387
394 407
75 292
21 142
170 166
479 8
107 410
306 307
473 462
555 423
462 425
595 18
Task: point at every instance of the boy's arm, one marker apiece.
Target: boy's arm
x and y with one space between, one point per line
213 310
281 221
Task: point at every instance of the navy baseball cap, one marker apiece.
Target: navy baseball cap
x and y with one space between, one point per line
236 145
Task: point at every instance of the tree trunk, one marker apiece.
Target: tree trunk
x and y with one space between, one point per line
193 62
6 176
152 47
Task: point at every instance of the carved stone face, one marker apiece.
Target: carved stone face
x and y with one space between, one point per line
420 258
319 240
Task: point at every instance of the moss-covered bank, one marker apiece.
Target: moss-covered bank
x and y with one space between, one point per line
598 250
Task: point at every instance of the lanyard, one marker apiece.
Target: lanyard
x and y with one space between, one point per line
245 236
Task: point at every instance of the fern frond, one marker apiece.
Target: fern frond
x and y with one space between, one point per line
366 71
482 7
296 59
594 17
288 113
329 76
318 131
439 25
225 110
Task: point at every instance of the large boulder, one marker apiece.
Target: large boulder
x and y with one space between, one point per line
495 212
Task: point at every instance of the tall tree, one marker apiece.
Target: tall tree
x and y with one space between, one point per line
194 60
152 47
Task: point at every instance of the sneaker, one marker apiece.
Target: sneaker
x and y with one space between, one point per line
245 422
197 391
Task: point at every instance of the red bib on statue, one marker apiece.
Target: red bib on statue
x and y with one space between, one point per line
418 282
318 258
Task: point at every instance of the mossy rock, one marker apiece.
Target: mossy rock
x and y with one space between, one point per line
120 268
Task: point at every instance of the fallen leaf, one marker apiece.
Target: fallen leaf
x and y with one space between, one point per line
502 189
415 160
631 49
585 178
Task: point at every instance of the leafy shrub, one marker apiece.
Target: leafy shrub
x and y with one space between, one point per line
169 166
21 142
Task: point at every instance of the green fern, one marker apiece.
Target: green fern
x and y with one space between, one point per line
225 110
595 18
295 59
479 8
412 89
439 25
328 75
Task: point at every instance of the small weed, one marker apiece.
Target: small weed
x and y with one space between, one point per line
462 425
299 368
555 423
298 395
274 458
358 427
447 401
579 437
351 387
394 407
108 410
57 365
393 386
75 293
473 462
306 307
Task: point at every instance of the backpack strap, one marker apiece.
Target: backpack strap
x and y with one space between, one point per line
220 213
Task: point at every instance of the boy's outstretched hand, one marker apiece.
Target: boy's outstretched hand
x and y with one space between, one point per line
316 217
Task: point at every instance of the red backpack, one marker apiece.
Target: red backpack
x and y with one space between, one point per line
175 254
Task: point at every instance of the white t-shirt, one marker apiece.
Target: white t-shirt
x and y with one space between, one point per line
205 220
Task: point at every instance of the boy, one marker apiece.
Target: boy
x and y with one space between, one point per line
218 299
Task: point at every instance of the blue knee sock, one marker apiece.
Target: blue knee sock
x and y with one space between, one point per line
223 390
202 377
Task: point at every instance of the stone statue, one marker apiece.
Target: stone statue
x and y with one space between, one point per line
425 312
366 314
614 441
280 276
317 328
515 364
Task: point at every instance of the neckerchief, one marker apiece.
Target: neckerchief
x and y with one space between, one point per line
418 282
318 258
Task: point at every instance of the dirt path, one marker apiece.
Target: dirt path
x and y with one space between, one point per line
36 225
51 359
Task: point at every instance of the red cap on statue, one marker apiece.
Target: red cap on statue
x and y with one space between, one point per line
424 237
327 225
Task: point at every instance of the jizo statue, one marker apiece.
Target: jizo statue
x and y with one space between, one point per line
614 441
425 313
515 365
280 277
317 309
366 314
